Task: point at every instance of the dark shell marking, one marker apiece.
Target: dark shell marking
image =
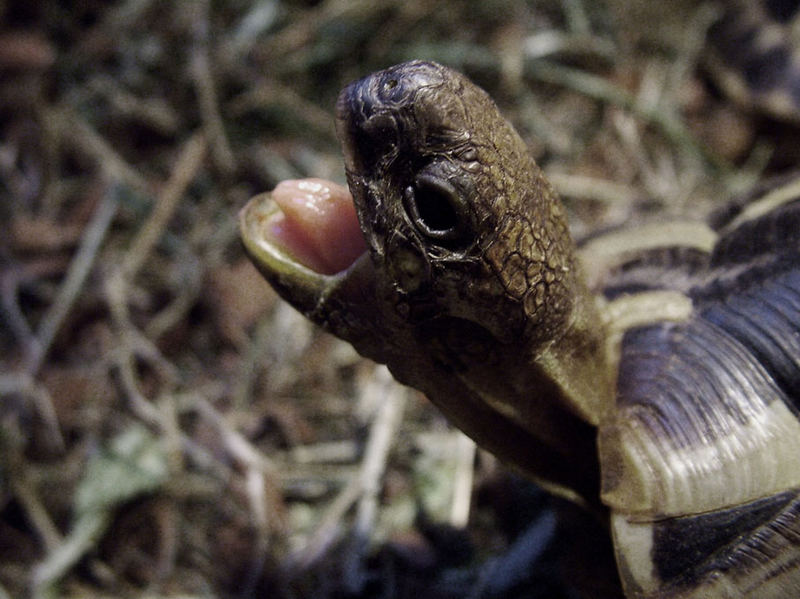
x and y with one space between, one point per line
709 408
673 268
753 544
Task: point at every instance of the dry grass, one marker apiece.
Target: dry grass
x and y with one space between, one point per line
167 426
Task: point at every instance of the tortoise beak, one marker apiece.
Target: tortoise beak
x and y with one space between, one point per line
308 291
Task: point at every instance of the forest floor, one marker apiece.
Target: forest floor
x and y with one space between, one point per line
168 426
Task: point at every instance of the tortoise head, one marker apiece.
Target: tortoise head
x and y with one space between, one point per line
469 290
457 216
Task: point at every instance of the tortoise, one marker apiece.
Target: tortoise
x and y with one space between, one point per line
650 374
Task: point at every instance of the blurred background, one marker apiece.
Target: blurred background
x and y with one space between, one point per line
168 427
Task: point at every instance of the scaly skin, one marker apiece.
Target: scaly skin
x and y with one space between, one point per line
471 291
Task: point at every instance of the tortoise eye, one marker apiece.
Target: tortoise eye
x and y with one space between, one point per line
437 210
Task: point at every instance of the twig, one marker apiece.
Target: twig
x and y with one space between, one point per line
76 275
277 345
123 357
575 13
594 188
262 491
548 42
463 479
361 487
85 534
293 37
152 415
169 517
23 383
252 360
252 25
327 532
176 310
133 342
382 435
207 93
74 130
240 448
273 92
601 89
118 284
36 512
18 324
154 111
691 43
261 471
141 406
166 515
189 162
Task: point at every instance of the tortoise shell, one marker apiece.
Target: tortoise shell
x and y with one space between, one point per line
699 456
650 375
